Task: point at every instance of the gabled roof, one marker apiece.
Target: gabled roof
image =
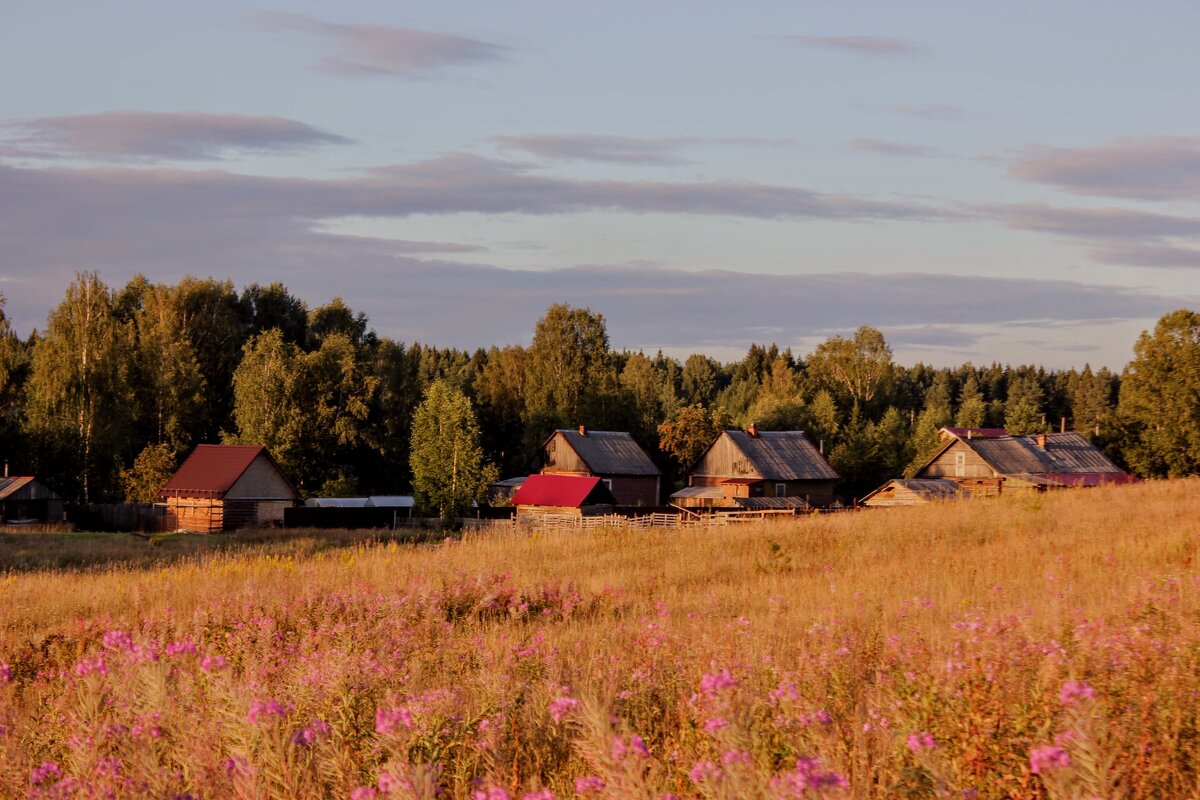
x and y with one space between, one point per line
783 456
27 486
212 470
927 488
609 452
770 503
974 433
1063 454
565 491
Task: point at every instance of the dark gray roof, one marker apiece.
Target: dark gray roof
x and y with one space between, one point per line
611 453
25 487
770 503
783 456
1064 453
930 487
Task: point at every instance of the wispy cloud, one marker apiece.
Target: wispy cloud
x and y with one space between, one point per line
858 45
937 112
1094 223
149 136
1148 254
373 50
594 147
1149 168
895 148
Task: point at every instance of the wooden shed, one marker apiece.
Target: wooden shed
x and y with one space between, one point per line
224 487
612 456
562 495
988 461
24 501
767 464
913 492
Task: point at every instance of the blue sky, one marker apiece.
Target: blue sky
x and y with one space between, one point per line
1019 182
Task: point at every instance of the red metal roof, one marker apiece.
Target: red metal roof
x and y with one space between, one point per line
566 491
211 470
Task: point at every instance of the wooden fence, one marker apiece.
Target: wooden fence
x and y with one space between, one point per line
628 522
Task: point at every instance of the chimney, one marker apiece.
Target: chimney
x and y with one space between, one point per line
1041 440
6 469
970 433
752 429
1062 425
583 430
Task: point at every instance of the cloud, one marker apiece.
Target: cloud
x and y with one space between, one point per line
859 45
1095 223
584 147
937 112
373 50
1150 168
1142 254
146 135
895 148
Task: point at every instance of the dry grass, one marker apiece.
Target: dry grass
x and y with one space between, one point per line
838 637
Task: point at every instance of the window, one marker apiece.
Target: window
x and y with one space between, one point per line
781 490
607 482
960 465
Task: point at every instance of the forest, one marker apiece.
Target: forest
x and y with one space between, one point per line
105 401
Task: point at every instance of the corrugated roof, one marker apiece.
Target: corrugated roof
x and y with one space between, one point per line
611 453
929 486
1064 453
10 486
391 501
211 470
1011 455
1070 452
770 503
566 491
783 456
700 492
336 502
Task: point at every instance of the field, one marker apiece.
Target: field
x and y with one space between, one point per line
1024 647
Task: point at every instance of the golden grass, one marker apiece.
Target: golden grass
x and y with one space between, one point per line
959 619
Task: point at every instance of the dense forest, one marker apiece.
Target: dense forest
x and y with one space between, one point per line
105 401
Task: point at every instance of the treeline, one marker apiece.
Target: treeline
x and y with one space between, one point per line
122 383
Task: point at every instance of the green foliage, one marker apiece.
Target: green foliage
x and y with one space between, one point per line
1023 408
858 369
447 463
1160 398
972 409
152 468
690 432
699 380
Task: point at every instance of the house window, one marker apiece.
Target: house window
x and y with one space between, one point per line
781 490
607 482
960 465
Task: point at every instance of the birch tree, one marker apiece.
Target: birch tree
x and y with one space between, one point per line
446 459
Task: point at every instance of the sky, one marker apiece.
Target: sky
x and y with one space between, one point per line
1015 182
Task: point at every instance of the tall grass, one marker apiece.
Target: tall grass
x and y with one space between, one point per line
1043 647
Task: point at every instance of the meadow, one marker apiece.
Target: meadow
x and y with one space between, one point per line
1031 647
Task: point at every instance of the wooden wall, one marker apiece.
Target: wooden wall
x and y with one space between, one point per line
945 465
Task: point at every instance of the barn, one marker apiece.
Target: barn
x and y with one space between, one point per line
23 500
612 456
989 460
225 487
913 492
562 495
783 467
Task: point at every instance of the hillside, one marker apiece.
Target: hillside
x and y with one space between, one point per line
949 650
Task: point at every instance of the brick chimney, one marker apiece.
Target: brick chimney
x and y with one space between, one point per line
583 430
1041 440
752 429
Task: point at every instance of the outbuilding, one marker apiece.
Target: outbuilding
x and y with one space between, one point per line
753 464
562 495
225 487
612 456
24 501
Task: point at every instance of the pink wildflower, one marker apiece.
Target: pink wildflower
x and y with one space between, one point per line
490 793
89 666
705 772
363 793
5 672
562 706
311 733
711 684
264 710
808 775
388 719
540 794
48 770
638 745
1047 757
1075 690
585 784
180 648
212 663
731 757
921 741
118 640
715 724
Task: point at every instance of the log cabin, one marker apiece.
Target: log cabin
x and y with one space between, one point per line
562 495
612 456
226 487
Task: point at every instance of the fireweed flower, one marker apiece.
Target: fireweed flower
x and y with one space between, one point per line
541 794
47 771
89 666
118 640
5 672
808 775
711 684
265 710
715 724
562 706
921 741
731 757
363 793
212 663
705 772
311 733
490 793
389 719
180 648
1075 690
1047 757
589 783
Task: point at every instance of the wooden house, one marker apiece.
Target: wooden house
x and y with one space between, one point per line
774 469
222 487
612 456
23 501
988 461
913 492
562 495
